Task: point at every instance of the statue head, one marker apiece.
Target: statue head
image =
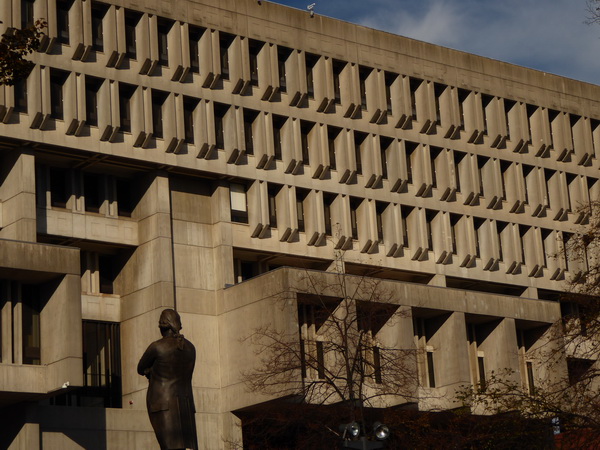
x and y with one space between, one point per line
169 321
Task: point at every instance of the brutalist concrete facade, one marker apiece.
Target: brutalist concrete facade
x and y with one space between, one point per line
162 154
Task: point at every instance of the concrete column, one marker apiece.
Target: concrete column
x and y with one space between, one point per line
146 283
500 347
447 336
6 329
17 196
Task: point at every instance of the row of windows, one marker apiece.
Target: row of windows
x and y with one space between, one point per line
85 191
315 347
298 143
452 238
434 106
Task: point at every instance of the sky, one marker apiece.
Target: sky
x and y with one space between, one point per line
547 35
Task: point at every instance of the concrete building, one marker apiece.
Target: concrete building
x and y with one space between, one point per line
162 153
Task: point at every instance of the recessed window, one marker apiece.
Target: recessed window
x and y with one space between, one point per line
20 96
305 129
220 112
131 20
27 18
164 26
239 206
125 98
92 86
60 187
195 34
301 195
359 139
363 74
278 123
225 40
415 84
338 67
390 78
62 20
94 191
327 202
354 204
254 48
158 100
249 118
189 106
332 134
283 53
57 82
98 12
311 62
272 192
385 144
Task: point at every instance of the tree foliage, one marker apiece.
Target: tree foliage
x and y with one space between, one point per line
15 45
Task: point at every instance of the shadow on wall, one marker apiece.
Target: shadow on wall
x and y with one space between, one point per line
59 427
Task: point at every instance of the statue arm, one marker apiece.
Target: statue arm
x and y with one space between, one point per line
145 365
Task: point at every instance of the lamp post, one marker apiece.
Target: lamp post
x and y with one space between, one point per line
351 436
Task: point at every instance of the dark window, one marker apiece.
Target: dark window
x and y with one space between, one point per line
305 129
125 94
477 223
523 229
481 371
98 12
338 66
485 102
500 226
220 111
415 83
434 152
377 365
164 26
92 86
225 41
93 191
158 100
504 166
389 80
409 148
311 61
430 370
283 53
380 208
62 20
332 134
20 93
405 212
278 122
354 204
30 299
131 21
195 35
359 138
481 162
429 216
249 118
363 74
60 187
107 271
508 105
102 365
438 91
57 81
530 378
454 219
385 144
458 157
462 97
272 197
254 48
27 19
189 105
327 202
126 200
300 197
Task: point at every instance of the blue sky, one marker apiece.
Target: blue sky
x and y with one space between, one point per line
547 35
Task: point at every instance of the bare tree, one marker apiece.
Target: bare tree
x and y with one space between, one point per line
344 353
571 401
15 45
592 12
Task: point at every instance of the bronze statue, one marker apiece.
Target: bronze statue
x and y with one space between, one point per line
168 364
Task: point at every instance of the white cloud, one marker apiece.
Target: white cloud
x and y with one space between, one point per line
547 35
